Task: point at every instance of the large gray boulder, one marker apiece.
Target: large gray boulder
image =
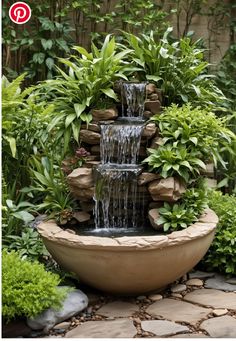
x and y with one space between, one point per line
75 302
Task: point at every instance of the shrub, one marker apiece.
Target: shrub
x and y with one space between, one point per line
27 289
222 254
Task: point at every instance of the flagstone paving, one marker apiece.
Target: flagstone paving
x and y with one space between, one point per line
224 326
163 328
179 311
194 311
212 298
104 329
221 283
118 309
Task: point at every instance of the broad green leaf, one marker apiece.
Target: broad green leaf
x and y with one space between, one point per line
79 108
153 78
41 178
199 163
12 144
23 215
76 129
38 58
84 52
47 44
10 204
50 63
110 93
70 118
194 140
223 183
164 52
24 204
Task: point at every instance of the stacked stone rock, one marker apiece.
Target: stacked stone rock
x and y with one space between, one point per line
155 189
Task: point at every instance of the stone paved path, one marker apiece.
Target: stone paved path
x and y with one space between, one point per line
200 305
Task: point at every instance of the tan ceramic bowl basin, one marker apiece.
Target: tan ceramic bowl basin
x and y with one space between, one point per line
130 265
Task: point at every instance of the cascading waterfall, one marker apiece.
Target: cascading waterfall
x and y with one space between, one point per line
133 95
117 201
120 143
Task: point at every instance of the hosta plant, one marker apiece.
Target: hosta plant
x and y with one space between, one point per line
169 161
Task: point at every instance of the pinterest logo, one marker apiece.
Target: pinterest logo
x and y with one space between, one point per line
20 12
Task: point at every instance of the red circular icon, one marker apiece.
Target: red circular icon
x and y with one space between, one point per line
20 12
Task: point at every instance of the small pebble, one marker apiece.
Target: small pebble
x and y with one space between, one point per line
146 333
176 295
141 298
178 288
219 312
61 331
137 320
63 325
89 310
155 297
195 282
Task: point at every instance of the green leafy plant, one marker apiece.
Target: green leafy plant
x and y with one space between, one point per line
225 76
190 138
51 190
177 67
25 117
184 213
27 289
89 79
174 161
197 129
222 253
28 245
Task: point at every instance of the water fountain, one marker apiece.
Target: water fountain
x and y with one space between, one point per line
121 253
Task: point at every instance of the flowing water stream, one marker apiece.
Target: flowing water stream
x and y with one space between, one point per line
118 203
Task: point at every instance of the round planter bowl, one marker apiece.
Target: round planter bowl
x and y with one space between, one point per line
130 265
